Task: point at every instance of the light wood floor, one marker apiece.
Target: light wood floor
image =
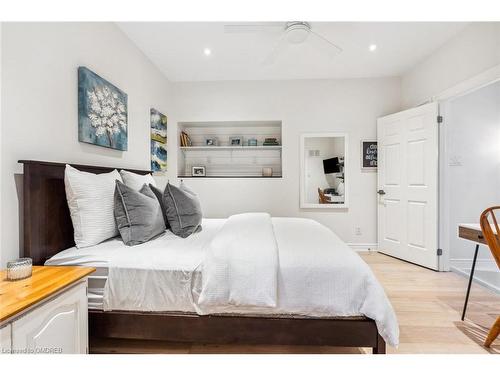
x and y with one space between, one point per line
428 305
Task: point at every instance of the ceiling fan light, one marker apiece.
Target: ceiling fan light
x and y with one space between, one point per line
297 32
297 36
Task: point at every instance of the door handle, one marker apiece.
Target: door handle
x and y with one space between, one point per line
381 192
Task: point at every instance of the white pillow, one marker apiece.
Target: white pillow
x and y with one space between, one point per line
136 181
91 205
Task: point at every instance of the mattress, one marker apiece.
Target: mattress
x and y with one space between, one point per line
176 258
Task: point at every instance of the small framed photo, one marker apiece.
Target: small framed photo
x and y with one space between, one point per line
235 141
211 141
198 171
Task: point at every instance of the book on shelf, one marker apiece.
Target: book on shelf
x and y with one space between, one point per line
185 140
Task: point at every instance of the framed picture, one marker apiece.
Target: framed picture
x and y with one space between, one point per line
158 156
198 171
210 141
158 124
369 155
102 111
235 141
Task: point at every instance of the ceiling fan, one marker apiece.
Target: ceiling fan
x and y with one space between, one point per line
291 33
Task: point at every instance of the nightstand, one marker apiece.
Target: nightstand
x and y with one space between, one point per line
46 313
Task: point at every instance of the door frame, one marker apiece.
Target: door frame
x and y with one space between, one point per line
468 86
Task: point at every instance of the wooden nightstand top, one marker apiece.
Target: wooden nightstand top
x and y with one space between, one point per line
16 296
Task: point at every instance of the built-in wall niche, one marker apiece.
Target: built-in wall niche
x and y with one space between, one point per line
230 149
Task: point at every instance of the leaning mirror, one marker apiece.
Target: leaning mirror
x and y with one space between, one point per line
324 181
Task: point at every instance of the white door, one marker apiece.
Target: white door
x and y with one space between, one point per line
408 185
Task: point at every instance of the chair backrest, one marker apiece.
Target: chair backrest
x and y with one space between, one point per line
322 197
491 231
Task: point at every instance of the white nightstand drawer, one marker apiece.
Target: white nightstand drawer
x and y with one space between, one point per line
56 326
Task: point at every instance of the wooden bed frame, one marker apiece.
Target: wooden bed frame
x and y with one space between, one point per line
48 230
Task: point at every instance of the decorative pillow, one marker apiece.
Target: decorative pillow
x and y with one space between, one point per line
159 196
136 181
182 209
90 202
138 214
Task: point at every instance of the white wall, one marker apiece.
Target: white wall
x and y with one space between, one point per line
350 106
470 52
39 103
472 138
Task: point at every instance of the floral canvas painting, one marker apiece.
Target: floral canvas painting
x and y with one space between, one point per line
102 111
158 141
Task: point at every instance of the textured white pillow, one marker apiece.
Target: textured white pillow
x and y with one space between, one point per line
91 205
136 181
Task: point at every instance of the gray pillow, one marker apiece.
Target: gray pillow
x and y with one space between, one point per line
182 210
138 214
159 196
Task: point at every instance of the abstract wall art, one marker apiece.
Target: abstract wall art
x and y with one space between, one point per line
158 123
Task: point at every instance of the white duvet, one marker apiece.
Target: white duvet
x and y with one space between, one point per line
318 275
241 265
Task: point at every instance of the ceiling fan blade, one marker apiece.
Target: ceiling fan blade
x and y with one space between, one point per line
254 28
279 47
333 49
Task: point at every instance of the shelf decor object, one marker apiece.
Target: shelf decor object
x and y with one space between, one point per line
185 140
198 171
211 142
267 172
236 141
271 142
230 149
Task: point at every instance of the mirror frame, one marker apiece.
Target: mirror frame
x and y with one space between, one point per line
303 203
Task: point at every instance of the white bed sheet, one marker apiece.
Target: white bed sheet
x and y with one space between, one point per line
169 259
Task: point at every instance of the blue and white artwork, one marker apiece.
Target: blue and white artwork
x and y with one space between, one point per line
102 111
158 123
158 156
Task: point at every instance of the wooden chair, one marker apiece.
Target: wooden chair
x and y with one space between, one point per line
322 197
491 232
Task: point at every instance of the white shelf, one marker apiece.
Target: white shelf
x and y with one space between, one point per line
230 161
222 148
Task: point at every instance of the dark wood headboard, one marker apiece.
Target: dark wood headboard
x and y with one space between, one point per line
47 223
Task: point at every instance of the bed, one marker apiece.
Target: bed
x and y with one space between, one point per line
117 310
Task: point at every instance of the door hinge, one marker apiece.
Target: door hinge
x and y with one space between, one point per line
440 119
439 252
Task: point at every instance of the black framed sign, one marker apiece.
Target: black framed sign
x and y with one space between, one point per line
369 155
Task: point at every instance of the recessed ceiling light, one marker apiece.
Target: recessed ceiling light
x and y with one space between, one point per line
207 51
372 47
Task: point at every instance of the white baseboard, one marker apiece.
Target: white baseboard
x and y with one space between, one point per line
481 264
363 246
463 267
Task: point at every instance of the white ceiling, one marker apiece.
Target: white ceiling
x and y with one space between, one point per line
177 49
